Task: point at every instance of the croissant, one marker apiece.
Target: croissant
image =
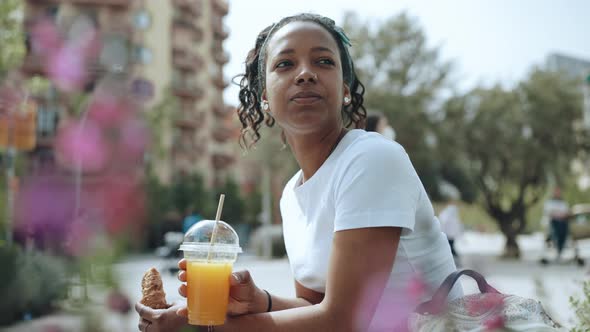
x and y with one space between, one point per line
152 290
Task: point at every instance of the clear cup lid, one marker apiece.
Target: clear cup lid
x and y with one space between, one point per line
198 238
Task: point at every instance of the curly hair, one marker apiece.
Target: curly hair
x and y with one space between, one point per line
253 80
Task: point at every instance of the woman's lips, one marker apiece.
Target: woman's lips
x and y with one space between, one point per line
306 100
306 97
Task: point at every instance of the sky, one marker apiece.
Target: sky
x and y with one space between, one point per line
488 40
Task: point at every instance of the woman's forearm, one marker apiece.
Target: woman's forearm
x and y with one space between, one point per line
308 318
276 303
283 303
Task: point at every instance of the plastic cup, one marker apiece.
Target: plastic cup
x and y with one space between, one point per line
209 267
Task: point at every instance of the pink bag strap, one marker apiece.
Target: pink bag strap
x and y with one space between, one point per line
438 302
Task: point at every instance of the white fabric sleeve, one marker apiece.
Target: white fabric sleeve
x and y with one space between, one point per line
378 188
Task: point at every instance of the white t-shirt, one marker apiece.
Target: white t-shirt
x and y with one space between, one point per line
367 181
556 209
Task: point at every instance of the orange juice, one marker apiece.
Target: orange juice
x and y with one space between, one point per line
208 292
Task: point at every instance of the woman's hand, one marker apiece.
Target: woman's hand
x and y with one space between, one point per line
244 296
165 320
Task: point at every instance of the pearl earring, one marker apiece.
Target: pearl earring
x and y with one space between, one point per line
347 100
265 105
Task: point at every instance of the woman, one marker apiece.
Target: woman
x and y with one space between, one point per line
359 228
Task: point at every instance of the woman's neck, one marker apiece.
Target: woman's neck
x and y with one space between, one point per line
312 150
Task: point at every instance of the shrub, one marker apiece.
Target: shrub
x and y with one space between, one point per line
32 284
581 306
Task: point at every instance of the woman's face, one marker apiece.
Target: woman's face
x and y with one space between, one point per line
304 84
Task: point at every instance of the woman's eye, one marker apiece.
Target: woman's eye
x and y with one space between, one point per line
326 61
282 64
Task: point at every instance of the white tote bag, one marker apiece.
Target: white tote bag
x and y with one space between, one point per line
488 311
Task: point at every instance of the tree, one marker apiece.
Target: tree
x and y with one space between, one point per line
234 207
273 164
404 78
11 35
190 194
511 141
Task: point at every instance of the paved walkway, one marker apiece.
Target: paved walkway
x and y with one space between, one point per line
552 285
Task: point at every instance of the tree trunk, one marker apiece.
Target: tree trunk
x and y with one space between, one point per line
511 249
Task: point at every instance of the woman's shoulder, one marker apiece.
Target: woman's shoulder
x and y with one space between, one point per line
372 146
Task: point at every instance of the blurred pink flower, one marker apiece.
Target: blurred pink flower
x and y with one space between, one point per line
45 37
107 110
134 139
118 302
52 328
79 240
395 305
82 144
485 303
122 202
417 288
89 43
43 209
67 68
494 323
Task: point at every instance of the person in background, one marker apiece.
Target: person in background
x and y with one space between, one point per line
378 122
556 210
451 225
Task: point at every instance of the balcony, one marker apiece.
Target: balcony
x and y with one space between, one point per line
184 140
182 21
188 92
219 32
117 23
222 161
222 136
189 120
186 124
198 119
187 16
182 60
182 157
221 58
184 35
188 6
223 111
201 148
221 7
220 82
184 87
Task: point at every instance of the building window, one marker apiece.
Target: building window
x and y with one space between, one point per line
142 19
114 55
142 55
